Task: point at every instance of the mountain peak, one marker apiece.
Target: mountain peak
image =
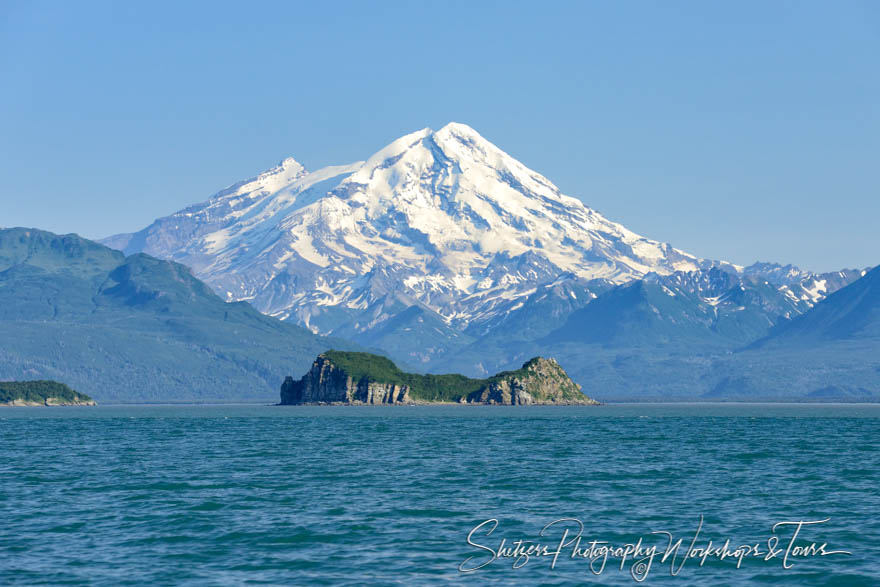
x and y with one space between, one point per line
453 142
289 163
460 129
461 142
443 219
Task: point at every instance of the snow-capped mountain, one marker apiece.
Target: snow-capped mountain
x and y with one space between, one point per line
437 241
440 219
775 290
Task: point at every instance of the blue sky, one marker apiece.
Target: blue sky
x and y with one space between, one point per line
742 131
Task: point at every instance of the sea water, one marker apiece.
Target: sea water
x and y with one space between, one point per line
215 495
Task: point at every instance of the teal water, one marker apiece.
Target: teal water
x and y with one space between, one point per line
387 495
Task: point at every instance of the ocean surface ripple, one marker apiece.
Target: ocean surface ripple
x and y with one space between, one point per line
217 495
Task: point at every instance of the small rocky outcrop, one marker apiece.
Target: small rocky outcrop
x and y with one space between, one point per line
362 378
539 381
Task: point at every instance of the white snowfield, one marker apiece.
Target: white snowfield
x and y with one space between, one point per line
440 219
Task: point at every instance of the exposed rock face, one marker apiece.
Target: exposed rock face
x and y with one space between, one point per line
327 383
49 401
539 382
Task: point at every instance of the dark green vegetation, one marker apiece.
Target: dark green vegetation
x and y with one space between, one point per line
39 392
135 328
433 388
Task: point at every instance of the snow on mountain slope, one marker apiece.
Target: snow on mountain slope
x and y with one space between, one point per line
442 219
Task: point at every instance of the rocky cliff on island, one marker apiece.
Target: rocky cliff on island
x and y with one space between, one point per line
338 377
41 393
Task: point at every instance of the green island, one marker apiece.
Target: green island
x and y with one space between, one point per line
41 393
346 377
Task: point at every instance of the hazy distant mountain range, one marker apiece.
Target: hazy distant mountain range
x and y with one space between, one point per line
135 328
447 254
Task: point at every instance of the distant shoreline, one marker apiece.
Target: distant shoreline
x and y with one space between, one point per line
438 404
